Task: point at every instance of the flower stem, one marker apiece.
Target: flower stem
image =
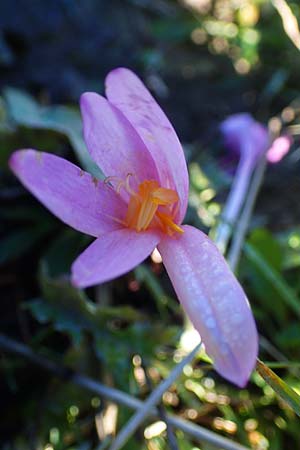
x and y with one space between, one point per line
243 223
234 202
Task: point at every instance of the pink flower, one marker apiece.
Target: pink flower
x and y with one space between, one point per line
139 206
279 149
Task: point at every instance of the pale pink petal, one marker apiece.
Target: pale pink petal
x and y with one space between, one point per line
73 195
112 255
112 141
214 301
126 91
279 149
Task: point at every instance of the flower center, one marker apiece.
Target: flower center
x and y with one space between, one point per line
150 207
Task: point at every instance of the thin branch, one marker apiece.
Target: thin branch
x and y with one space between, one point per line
163 414
195 431
137 419
170 431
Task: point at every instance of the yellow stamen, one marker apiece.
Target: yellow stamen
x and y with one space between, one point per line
143 208
168 222
163 196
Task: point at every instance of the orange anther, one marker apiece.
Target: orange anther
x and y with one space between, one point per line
150 207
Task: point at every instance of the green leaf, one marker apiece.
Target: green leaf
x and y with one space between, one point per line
268 247
274 278
22 107
71 311
279 386
290 242
289 337
25 111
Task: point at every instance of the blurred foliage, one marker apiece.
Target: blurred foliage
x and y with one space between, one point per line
203 60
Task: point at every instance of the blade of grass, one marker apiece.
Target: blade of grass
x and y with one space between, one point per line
282 365
285 392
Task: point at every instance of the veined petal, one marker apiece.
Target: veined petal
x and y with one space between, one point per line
112 255
112 141
126 91
214 301
73 195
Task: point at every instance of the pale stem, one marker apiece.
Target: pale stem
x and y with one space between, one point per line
163 414
234 201
243 223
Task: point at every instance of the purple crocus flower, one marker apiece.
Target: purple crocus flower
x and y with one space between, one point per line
139 206
245 137
249 140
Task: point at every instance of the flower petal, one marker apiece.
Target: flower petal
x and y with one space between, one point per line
214 302
244 136
112 141
73 195
126 91
112 255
